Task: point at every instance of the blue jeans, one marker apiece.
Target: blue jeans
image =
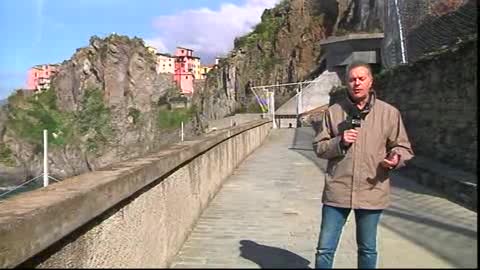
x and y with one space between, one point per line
333 220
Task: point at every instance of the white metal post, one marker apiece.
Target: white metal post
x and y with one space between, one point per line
272 101
400 27
45 158
301 99
181 135
297 109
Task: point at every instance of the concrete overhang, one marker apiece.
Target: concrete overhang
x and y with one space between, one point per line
350 37
343 50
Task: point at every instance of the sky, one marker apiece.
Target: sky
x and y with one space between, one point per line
50 31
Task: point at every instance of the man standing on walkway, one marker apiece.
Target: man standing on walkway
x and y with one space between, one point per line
363 138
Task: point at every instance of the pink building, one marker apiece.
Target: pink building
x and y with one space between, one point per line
38 77
187 67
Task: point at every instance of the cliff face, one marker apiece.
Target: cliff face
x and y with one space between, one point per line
283 48
104 106
122 67
106 102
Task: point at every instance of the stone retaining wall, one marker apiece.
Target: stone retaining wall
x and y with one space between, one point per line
131 214
437 97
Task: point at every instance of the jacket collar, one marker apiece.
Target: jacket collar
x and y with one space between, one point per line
353 109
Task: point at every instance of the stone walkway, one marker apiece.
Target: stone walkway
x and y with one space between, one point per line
267 215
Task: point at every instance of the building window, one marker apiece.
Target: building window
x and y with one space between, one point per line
46 73
186 77
35 74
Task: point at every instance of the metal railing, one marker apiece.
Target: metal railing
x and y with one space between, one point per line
16 188
265 95
44 176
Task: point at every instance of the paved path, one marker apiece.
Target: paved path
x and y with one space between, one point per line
267 215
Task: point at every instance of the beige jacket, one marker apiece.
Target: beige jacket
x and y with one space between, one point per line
354 177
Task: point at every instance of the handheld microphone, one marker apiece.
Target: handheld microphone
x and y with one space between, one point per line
356 120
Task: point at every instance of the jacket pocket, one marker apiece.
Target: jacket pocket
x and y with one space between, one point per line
331 166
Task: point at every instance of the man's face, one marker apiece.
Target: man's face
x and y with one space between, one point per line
359 82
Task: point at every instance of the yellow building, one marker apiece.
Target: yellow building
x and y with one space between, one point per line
152 49
204 70
196 68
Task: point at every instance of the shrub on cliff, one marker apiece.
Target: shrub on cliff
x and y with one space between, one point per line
6 155
28 116
94 119
171 119
265 31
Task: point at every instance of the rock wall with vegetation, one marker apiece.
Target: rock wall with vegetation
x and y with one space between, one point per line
106 104
283 47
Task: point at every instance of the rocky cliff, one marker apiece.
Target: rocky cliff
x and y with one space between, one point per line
283 48
106 104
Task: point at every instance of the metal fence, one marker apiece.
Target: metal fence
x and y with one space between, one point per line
414 28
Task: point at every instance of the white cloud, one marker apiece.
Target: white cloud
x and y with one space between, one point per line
157 43
208 32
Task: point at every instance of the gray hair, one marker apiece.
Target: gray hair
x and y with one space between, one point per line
356 64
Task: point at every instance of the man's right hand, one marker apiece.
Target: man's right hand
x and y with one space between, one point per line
349 136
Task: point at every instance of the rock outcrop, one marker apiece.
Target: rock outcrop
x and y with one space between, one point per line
106 98
283 48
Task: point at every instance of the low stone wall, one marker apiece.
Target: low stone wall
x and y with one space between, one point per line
131 214
437 97
456 185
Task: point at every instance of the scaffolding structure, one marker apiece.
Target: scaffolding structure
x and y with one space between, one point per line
265 97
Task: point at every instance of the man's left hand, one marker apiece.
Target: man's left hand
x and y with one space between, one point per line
391 161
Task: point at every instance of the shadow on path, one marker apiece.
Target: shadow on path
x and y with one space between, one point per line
271 257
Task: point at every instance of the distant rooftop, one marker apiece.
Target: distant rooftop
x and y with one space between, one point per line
179 47
40 66
187 56
164 54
